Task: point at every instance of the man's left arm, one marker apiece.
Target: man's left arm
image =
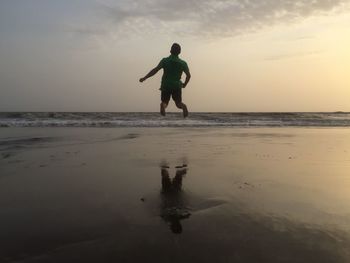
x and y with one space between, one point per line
188 76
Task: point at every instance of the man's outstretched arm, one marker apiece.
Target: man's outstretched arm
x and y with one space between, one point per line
188 77
151 73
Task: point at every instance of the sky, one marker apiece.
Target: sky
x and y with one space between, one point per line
244 55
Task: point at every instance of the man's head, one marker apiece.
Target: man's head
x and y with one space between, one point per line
175 49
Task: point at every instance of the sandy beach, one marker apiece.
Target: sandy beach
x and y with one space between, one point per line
174 195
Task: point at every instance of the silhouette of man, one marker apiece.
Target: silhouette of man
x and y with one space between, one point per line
171 85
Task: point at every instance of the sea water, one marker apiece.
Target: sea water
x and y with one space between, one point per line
135 119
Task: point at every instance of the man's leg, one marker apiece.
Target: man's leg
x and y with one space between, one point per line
163 106
177 97
182 106
165 97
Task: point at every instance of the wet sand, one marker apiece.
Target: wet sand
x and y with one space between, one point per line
174 195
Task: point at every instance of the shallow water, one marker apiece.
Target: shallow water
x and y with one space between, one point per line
196 119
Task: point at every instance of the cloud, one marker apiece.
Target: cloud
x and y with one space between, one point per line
293 55
208 17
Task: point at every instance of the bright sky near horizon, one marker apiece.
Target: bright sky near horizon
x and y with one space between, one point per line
244 55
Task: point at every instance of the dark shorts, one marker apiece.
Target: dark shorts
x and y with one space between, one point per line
176 94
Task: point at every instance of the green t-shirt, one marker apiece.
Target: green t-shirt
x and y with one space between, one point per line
173 67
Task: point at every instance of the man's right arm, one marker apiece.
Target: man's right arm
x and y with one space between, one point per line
152 72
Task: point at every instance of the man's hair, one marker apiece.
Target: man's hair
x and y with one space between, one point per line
175 49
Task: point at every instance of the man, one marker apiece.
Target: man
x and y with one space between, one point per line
171 85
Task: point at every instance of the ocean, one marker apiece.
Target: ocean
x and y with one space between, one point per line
135 119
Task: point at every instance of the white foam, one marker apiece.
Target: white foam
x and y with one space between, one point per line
175 120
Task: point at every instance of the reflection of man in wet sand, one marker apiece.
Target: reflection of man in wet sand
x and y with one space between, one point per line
173 202
171 85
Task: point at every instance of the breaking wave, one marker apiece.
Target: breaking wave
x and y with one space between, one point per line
113 119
